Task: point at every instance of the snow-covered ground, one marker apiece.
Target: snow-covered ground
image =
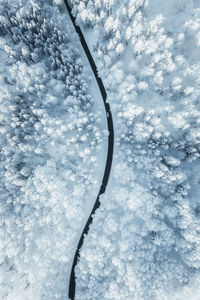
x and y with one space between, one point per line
53 149
144 241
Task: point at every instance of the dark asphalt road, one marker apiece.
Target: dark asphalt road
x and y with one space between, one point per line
72 284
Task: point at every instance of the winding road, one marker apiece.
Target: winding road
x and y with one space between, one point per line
72 283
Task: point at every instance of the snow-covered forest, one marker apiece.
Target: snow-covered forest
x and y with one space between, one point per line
52 137
149 58
144 241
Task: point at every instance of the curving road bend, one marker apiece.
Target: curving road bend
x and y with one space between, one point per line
72 283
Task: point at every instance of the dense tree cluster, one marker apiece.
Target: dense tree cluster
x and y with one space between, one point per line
113 21
51 138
